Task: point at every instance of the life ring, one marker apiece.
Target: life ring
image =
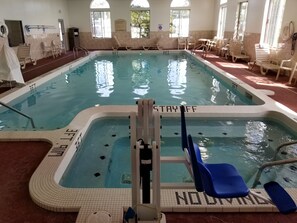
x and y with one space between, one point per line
3 30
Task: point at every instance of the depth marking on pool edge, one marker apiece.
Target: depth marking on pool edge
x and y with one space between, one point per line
174 108
67 136
195 198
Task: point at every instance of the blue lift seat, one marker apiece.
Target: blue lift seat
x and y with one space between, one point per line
219 180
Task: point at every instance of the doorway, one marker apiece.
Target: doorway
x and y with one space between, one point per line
62 33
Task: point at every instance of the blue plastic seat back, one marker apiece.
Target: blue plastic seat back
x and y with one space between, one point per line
218 180
183 128
193 151
280 197
207 180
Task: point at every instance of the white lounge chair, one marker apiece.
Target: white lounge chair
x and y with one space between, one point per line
264 60
236 51
152 44
289 65
24 55
118 45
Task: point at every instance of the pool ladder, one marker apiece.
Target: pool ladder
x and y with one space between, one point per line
77 48
275 162
19 112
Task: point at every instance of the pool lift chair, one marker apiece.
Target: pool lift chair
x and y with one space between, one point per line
217 180
145 165
223 181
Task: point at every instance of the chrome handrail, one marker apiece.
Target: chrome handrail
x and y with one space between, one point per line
268 164
19 112
76 48
274 162
281 146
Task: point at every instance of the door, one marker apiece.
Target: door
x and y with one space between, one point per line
62 33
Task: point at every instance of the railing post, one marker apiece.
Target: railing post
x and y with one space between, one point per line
19 112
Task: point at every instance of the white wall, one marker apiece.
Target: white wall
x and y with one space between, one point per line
290 13
254 15
201 13
35 12
204 13
79 14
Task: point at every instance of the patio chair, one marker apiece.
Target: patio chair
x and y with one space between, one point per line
236 51
57 48
208 46
118 45
191 42
289 65
152 45
264 60
221 47
24 55
47 49
182 42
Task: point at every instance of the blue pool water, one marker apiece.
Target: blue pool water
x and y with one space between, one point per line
103 160
173 79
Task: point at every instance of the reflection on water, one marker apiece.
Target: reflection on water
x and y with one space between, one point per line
140 77
176 77
215 90
104 77
231 97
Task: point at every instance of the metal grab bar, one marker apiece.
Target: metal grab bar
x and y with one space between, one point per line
272 163
275 162
76 48
19 112
281 146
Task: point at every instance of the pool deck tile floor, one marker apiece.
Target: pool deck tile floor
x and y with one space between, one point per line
24 210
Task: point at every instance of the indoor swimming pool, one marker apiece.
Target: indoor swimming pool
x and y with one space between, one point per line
173 78
103 160
228 118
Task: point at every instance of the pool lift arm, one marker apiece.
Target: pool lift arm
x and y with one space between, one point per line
145 162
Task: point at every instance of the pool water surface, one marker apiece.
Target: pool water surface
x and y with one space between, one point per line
170 79
103 160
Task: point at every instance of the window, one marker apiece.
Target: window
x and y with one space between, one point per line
240 20
179 18
140 19
222 19
100 19
272 19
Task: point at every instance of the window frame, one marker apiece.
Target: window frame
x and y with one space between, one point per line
222 21
178 9
272 21
105 24
140 30
240 22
